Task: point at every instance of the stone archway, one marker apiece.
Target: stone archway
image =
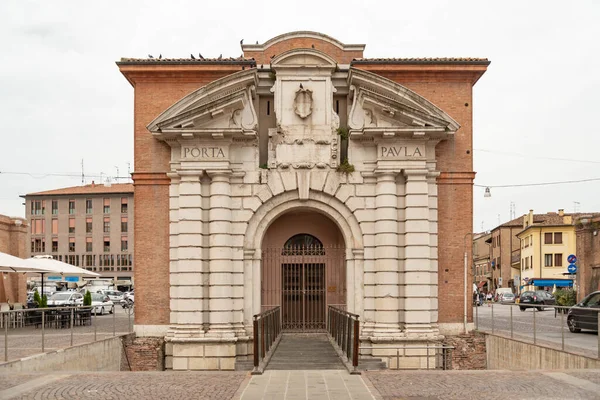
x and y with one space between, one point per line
350 236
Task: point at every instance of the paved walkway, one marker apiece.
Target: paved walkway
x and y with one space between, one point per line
313 385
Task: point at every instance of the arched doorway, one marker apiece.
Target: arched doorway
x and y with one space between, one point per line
303 269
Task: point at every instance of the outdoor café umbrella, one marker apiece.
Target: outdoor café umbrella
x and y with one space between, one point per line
10 263
52 266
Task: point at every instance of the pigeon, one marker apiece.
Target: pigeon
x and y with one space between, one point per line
159 56
150 56
313 46
242 41
193 58
257 42
200 56
301 87
220 57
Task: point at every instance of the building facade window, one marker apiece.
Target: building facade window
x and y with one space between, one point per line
547 260
558 260
71 246
548 238
54 246
124 205
124 244
88 244
55 226
106 225
71 207
88 206
88 225
558 238
106 245
36 207
106 206
54 207
124 224
71 225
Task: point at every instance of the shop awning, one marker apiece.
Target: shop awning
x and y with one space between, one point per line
481 284
551 282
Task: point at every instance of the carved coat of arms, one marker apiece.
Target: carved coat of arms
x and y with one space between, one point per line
303 102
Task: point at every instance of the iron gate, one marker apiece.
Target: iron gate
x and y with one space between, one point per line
303 280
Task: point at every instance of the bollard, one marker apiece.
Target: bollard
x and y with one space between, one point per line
562 330
72 315
534 337
492 319
511 322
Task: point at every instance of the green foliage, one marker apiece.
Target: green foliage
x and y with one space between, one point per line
272 75
87 298
345 167
263 166
44 302
37 298
343 132
566 297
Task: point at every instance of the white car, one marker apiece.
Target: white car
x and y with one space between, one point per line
129 296
65 299
101 304
114 296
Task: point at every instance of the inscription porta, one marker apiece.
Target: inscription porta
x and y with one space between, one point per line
203 152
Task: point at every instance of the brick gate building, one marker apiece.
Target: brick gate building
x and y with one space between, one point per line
300 175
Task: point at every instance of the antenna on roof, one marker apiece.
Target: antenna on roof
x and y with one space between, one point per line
117 177
82 174
576 206
128 170
513 211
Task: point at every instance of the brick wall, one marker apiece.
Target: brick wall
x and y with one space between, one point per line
588 254
143 354
469 351
12 241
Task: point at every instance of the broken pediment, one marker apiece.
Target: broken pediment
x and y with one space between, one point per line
383 107
223 107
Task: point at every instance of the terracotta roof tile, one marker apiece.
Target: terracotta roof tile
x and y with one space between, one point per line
424 60
197 60
87 189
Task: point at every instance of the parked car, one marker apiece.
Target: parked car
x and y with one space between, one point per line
507 298
584 315
65 299
129 296
101 303
537 299
114 295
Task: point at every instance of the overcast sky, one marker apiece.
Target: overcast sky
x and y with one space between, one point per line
64 100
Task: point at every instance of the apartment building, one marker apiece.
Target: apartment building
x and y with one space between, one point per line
482 269
87 226
546 242
503 243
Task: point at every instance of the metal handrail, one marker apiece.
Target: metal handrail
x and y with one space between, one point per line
344 328
442 354
267 328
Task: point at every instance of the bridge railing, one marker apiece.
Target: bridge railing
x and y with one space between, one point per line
344 328
267 329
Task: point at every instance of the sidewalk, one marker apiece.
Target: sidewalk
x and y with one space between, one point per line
313 385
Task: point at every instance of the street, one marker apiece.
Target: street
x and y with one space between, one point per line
550 329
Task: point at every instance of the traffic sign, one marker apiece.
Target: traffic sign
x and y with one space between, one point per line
572 268
526 279
572 259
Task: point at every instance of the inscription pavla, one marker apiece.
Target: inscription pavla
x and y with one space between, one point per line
203 152
400 151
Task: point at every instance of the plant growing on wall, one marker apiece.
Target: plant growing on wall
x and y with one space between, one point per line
345 167
343 132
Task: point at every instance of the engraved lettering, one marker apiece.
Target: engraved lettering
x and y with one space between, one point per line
203 152
401 152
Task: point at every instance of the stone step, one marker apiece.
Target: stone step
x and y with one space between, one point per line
244 365
371 364
305 352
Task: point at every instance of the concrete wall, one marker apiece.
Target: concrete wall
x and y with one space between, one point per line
103 355
503 353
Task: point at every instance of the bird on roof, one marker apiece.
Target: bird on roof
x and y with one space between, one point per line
301 87
150 56
242 41
220 57
192 56
159 56
200 56
257 42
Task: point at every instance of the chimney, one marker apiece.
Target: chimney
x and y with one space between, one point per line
93 184
561 212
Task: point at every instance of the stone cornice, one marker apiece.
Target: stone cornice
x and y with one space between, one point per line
456 178
150 178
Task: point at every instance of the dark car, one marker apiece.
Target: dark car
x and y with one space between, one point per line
537 299
584 315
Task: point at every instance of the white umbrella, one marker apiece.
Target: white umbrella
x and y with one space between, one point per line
10 263
55 267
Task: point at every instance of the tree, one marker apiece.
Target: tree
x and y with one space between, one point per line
87 298
37 299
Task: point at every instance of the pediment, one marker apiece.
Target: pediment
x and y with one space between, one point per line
386 108
223 107
303 58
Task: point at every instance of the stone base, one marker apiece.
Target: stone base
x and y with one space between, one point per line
406 352
200 354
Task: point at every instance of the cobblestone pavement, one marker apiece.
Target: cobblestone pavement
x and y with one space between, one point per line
126 385
488 385
310 385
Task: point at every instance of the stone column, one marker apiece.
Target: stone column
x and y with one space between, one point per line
418 274
220 255
187 258
386 256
